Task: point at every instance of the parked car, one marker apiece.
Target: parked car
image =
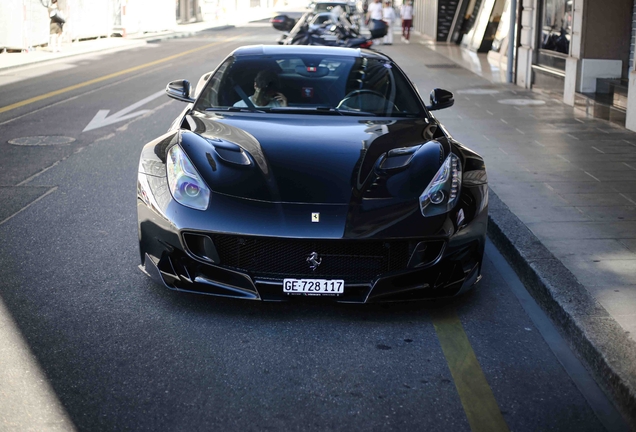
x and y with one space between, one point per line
302 171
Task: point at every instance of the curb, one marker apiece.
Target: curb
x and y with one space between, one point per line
594 335
182 34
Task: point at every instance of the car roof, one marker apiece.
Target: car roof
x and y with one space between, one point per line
252 50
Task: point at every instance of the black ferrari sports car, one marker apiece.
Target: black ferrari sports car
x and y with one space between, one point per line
310 171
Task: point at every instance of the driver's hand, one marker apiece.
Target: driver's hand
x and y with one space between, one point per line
281 99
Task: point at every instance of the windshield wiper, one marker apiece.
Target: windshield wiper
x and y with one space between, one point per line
321 110
354 112
235 109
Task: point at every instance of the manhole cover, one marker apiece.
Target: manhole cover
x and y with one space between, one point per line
442 66
521 102
478 91
42 141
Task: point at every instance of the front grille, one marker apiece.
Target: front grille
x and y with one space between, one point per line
355 261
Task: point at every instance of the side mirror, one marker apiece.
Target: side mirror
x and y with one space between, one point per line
440 99
180 90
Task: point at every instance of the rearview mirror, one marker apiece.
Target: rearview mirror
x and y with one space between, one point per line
440 99
179 90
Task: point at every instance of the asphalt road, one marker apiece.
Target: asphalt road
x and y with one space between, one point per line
116 352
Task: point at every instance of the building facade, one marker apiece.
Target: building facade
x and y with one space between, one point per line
581 51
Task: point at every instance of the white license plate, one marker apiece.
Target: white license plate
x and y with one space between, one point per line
313 286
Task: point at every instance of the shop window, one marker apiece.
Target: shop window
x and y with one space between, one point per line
556 33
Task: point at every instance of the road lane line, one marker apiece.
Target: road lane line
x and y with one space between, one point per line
627 198
591 176
37 174
47 193
107 77
475 394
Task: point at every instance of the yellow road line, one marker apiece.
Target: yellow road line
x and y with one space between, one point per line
475 394
106 77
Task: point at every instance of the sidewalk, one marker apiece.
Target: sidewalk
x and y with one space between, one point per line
562 204
44 54
562 201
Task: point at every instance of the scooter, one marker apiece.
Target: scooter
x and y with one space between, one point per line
335 32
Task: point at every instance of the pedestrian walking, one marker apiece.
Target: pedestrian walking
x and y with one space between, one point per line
55 27
406 13
389 17
374 13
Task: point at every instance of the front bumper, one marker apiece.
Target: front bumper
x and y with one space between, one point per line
450 275
402 261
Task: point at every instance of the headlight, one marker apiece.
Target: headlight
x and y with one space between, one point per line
440 196
186 185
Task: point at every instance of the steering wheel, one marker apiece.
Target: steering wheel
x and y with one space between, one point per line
374 100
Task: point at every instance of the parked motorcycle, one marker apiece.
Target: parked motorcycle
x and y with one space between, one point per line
330 30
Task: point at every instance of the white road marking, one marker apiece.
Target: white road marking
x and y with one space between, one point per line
627 198
592 176
101 119
47 193
559 156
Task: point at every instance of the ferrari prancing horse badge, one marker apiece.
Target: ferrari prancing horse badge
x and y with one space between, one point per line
315 217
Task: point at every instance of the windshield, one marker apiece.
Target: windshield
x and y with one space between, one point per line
310 84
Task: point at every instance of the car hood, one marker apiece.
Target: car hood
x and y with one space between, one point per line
310 159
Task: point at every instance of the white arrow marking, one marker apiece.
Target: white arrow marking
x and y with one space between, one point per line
101 119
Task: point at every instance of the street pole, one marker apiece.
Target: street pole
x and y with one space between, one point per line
511 39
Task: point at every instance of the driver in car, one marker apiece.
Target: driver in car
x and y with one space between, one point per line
266 94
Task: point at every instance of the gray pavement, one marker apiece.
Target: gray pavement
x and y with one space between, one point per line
563 196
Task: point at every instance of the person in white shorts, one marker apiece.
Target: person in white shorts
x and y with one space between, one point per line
389 17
